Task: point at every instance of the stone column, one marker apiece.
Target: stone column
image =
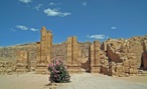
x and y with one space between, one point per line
104 46
92 55
22 64
145 54
44 51
69 51
49 46
145 60
75 50
43 45
73 55
145 46
95 57
38 52
97 52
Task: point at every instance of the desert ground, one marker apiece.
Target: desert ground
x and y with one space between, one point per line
78 81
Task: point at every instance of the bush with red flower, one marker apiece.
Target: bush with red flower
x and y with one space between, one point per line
58 72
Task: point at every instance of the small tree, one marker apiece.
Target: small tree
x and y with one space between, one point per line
58 72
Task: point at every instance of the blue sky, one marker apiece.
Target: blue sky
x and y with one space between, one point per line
89 20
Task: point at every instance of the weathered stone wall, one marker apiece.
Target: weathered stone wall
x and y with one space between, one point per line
126 55
85 59
7 67
59 51
10 53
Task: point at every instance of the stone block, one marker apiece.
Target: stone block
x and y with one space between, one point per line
104 69
74 69
95 69
41 68
120 70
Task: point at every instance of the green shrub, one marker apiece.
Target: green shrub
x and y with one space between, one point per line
58 72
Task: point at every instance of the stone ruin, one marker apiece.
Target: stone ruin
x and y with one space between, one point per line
44 48
7 67
114 57
23 62
73 55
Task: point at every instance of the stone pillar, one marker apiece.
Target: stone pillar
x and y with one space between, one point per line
23 62
38 52
145 54
69 51
136 48
75 50
49 46
43 45
92 55
145 60
104 46
73 55
132 61
97 52
95 57
145 46
44 51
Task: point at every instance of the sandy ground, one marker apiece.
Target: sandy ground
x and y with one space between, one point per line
78 81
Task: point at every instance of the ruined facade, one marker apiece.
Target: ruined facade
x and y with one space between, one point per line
114 57
125 56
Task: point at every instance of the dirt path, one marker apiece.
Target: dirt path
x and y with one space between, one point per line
78 81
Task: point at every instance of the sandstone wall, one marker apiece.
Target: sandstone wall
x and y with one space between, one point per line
7 67
10 53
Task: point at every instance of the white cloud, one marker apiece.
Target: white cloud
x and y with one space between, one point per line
51 4
55 12
113 27
25 1
38 7
98 36
33 29
21 27
84 3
